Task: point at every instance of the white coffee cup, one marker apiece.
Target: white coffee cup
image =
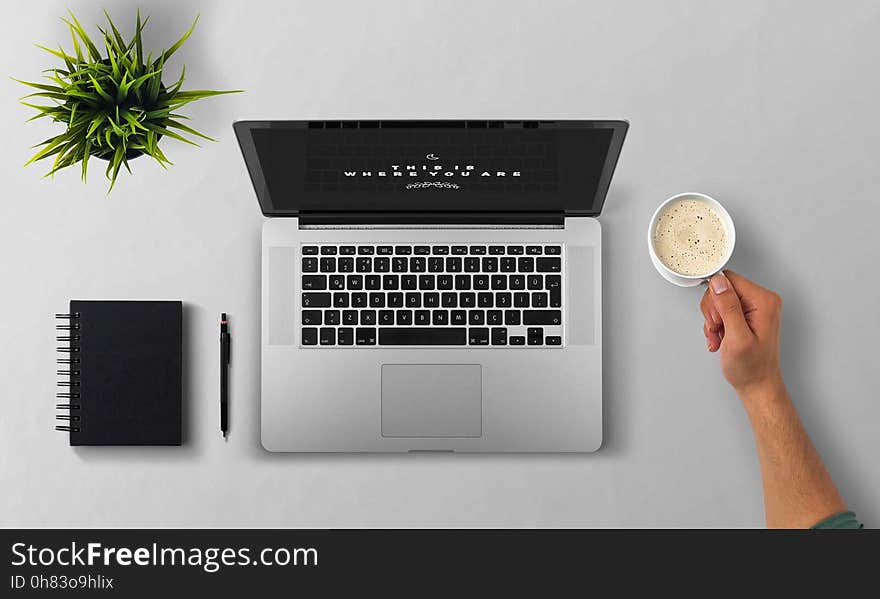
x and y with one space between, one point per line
677 278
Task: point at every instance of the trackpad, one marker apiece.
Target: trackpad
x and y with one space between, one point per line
432 400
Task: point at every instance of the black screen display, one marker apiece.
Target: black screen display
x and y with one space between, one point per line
433 166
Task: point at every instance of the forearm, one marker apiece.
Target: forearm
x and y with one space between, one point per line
798 491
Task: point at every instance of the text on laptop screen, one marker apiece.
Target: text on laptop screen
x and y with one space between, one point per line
365 166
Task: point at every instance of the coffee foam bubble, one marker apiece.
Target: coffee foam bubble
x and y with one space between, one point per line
689 237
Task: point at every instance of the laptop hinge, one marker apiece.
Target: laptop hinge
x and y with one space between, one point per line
431 218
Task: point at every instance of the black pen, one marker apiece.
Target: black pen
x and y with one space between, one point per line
224 375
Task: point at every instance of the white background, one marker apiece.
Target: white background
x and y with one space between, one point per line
771 107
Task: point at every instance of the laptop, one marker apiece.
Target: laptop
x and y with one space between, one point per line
431 285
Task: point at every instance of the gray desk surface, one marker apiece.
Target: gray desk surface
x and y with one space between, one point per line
769 106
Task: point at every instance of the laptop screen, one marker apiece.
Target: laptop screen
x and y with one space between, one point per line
431 166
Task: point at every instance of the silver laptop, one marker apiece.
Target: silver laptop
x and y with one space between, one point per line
431 285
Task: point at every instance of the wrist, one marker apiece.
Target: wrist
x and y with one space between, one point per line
765 394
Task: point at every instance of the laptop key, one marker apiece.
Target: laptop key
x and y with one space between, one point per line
345 336
372 282
354 282
503 300
395 299
328 337
533 249
494 317
381 264
485 300
413 300
459 249
444 282
449 299
310 336
423 336
417 264
478 336
365 336
309 250
535 282
515 249
548 264
390 282
472 265
331 316
347 250
311 317
440 317
517 282
363 264
463 282
377 300
310 265
441 250
426 282
404 317
453 264
403 250
368 317
359 300
340 300
314 282
535 336
435 264
423 317
490 264
467 300
521 300
386 317
481 282
499 282
516 340
526 264
553 340
328 264
458 317
349 317
476 317
547 317
496 249
508 265
365 250
409 282
384 250
554 250
512 318
337 282
499 336
316 300
539 299
478 250
431 300
328 250
399 264
422 249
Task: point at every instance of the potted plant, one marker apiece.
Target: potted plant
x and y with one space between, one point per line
113 107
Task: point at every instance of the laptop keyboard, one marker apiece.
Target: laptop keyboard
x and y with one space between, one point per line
431 295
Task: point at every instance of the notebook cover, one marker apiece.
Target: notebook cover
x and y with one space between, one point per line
130 372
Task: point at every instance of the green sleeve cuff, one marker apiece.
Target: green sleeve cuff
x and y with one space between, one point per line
840 520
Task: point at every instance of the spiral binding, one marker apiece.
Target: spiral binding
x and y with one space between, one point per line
72 372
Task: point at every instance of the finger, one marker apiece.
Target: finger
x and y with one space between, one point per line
726 301
713 319
713 339
748 291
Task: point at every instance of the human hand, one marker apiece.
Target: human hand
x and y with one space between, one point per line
742 320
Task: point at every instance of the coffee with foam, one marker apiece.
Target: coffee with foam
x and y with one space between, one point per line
689 237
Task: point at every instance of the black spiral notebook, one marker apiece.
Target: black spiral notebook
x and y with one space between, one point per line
120 372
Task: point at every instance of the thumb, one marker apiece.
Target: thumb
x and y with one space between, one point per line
726 301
